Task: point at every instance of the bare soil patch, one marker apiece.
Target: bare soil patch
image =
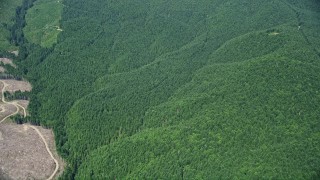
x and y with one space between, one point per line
7 61
6 109
14 85
16 53
49 137
2 109
2 69
4 176
23 103
23 154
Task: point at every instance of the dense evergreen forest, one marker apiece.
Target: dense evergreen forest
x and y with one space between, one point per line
7 12
184 89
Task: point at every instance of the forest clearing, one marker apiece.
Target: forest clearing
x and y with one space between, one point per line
26 151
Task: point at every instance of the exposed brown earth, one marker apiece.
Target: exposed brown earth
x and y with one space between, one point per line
22 153
7 61
4 176
2 69
16 53
24 104
26 151
14 85
6 110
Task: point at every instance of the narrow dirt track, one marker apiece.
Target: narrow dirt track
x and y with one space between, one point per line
4 101
47 147
33 127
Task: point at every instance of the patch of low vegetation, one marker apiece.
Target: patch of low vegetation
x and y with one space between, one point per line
42 22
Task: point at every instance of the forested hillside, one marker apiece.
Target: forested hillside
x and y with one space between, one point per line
7 14
184 89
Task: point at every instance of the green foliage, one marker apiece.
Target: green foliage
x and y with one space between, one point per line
8 8
19 119
7 14
180 89
17 95
43 22
16 33
244 120
4 42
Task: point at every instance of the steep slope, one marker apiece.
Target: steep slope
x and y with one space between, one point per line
7 14
183 89
122 98
256 118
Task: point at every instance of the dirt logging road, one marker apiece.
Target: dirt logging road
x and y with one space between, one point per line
5 102
47 147
18 107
